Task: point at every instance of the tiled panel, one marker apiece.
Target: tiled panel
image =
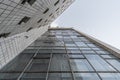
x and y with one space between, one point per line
12 46
13 11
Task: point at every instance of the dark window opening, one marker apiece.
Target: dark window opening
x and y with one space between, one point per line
50 15
45 20
29 29
4 34
39 21
46 11
23 1
56 3
25 20
31 1
57 9
64 1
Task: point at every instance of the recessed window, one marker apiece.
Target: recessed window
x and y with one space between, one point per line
56 3
31 1
64 1
29 29
25 20
39 21
23 1
46 11
57 9
50 15
4 35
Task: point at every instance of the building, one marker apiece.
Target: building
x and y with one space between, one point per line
23 21
64 54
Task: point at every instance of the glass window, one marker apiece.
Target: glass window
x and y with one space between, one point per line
38 65
59 62
9 76
115 63
34 76
80 65
98 63
18 63
110 76
87 52
42 56
74 56
86 76
102 52
60 76
91 45
108 56
81 44
58 51
73 51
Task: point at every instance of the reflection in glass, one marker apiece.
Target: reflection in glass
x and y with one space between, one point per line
80 65
38 65
59 62
9 76
34 76
60 76
110 76
98 63
115 63
86 76
18 63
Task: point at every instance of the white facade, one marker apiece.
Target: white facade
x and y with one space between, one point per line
23 21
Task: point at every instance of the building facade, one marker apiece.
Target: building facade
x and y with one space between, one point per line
63 54
23 21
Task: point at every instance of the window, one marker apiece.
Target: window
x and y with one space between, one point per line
4 35
25 20
46 11
56 3
80 65
50 15
64 1
29 29
57 9
86 76
39 21
29 1
23 1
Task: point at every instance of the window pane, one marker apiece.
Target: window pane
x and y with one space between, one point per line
98 63
108 56
110 76
115 63
39 65
9 76
59 63
19 63
60 76
80 65
72 56
86 76
34 76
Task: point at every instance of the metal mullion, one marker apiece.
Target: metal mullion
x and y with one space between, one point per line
105 59
89 63
49 65
28 65
69 62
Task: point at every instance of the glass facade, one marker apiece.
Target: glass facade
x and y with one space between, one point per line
62 55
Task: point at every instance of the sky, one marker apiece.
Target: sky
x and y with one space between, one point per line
98 18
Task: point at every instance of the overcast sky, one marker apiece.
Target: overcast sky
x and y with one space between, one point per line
98 18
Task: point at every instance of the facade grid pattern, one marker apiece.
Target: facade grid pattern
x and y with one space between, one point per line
62 55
